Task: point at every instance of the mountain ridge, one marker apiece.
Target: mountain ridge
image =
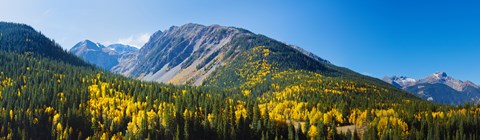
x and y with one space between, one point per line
453 91
194 51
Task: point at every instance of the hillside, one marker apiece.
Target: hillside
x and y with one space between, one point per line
21 38
46 98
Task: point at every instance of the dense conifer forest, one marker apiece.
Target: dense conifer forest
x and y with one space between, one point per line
47 93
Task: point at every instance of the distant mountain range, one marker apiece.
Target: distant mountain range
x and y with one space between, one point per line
438 87
98 54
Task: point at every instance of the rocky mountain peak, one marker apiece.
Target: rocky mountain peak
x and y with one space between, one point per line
87 44
440 75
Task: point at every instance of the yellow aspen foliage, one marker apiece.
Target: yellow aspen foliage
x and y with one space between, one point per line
59 127
303 128
56 117
440 115
24 79
49 110
61 95
98 76
187 114
246 92
240 112
104 136
394 122
35 120
312 132
315 116
117 136
210 118
380 113
266 52
327 118
103 89
357 117
11 114
333 114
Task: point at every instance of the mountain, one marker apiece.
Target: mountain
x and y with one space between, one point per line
231 58
266 89
190 53
439 87
98 54
182 55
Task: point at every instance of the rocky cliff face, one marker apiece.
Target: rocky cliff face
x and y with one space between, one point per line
180 55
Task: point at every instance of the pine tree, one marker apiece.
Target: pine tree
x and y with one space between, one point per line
291 133
177 133
186 127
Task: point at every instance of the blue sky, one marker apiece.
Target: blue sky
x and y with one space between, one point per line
377 38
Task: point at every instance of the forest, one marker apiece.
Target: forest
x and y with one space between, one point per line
55 96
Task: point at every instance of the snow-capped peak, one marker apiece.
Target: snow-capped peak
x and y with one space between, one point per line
443 78
87 45
400 81
404 79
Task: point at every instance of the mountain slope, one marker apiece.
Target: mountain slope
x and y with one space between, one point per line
21 38
180 55
98 54
439 87
190 53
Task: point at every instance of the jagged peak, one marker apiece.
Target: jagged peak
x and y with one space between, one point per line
87 45
190 25
440 75
87 41
470 83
